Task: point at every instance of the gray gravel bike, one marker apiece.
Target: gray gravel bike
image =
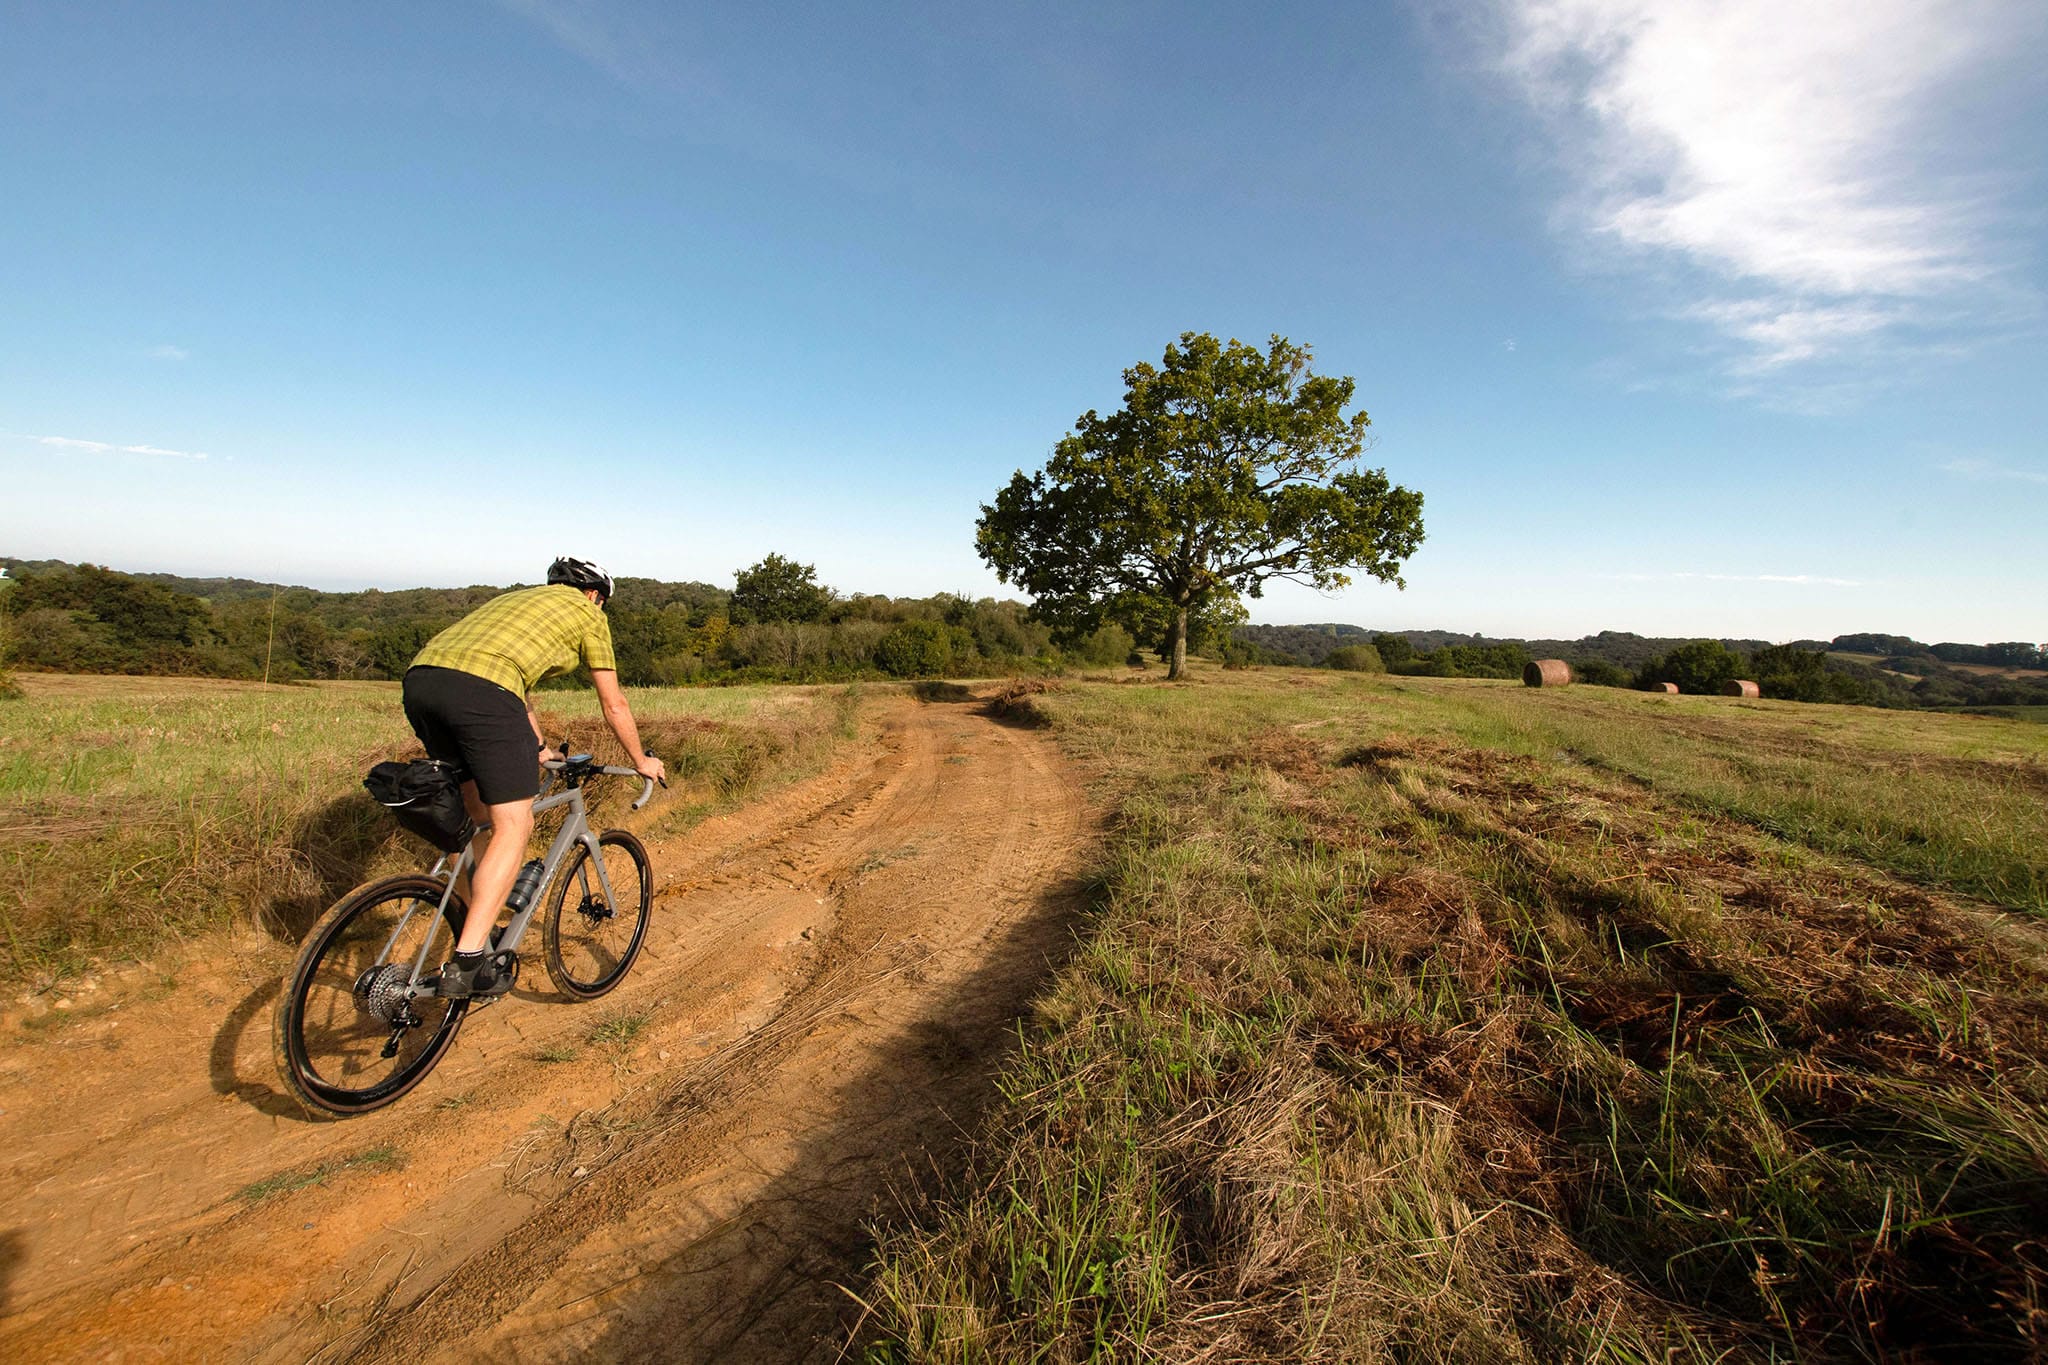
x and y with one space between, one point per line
360 1021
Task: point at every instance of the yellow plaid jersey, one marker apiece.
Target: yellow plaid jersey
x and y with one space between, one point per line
523 637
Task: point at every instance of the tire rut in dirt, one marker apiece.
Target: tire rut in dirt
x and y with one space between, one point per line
830 1059
717 1232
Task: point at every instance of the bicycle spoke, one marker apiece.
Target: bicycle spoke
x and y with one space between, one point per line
355 1032
599 916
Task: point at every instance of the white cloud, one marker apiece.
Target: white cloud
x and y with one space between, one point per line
1799 579
1971 468
108 447
1782 332
1786 158
582 29
1795 579
645 48
159 450
168 353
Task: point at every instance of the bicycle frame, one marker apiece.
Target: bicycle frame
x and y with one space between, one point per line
575 830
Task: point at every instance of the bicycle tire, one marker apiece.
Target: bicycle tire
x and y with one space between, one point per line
328 1043
592 943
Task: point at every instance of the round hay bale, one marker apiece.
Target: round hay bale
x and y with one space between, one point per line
1664 689
1546 673
1740 687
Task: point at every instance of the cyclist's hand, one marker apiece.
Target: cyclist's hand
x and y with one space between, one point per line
648 766
548 755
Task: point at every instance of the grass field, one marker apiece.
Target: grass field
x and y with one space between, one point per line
2037 714
1450 1021
1413 1019
1980 670
137 812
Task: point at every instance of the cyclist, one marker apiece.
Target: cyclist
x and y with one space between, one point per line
466 695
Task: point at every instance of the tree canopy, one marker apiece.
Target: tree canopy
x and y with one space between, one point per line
1226 467
1699 667
779 589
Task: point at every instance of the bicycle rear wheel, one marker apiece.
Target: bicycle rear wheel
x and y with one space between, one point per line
593 938
346 1038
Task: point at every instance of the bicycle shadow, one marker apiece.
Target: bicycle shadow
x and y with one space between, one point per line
13 1251
330 853
221 1069
261 1094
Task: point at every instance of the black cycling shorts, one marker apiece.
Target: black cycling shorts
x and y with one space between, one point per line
464 719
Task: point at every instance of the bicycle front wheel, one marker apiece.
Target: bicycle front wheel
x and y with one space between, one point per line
593 936
347 1038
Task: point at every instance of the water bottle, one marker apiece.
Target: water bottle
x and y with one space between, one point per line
526 884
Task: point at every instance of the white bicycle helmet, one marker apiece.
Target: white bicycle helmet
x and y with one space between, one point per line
581 573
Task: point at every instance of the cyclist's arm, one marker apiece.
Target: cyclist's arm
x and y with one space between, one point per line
619 717
533 719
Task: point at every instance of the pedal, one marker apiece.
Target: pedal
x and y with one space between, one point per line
505 968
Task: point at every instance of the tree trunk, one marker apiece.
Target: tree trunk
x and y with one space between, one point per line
1177 645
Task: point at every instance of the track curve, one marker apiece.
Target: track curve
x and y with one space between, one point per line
680 1171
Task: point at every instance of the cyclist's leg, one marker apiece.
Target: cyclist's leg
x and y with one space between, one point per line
480 816
496 870
476 723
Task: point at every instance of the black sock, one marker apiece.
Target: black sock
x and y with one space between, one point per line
468 960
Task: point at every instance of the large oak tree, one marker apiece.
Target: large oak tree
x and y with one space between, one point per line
1226 467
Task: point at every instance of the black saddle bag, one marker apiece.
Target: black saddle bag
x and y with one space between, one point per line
426 796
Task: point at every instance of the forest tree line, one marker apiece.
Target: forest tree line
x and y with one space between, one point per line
1904 673
778 623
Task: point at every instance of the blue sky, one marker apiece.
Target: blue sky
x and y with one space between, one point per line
1719 319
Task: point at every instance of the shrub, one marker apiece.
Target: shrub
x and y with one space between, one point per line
1435 665
1395 649
1601 673
1698 668
789 649
1356 659
9 688
1105 645
916 649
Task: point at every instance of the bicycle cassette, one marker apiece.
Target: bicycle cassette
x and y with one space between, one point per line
384 992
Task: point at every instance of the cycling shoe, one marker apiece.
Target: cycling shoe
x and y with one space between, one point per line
487 980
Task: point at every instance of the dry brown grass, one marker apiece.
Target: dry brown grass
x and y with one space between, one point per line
139 812
1389 1044
1015 701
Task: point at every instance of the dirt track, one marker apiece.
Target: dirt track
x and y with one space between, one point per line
828 979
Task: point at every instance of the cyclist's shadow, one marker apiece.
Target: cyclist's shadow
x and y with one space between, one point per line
330 852
13 1248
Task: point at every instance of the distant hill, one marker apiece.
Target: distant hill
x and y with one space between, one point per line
1867 669
1313 644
